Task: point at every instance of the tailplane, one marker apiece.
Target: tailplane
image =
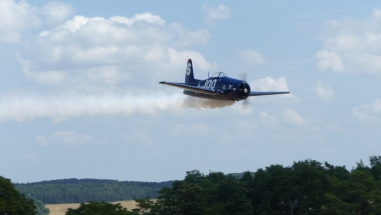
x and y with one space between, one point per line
189 77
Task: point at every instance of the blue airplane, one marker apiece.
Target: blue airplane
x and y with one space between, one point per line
217 86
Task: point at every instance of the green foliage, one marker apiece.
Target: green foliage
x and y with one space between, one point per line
100 208
145 206
85 190
306 187
40 208
200 194
12 202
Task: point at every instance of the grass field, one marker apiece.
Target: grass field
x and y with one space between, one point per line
60 209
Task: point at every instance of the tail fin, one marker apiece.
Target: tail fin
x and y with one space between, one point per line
189 77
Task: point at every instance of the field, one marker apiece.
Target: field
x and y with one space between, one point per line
60 209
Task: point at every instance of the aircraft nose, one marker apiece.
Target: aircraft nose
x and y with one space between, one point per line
244 90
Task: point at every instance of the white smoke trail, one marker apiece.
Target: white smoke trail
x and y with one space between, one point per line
58 108
198 103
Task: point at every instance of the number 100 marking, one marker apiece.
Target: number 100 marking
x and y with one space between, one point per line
210 84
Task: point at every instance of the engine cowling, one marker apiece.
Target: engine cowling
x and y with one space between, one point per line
243 90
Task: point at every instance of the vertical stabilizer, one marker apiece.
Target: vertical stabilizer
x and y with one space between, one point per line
189 77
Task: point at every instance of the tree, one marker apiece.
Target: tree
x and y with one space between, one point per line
12 202
100 208
200 194
146 206
375 167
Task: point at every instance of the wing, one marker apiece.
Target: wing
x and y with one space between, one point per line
253 93
193 88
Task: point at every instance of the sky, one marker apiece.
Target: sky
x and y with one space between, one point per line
79 92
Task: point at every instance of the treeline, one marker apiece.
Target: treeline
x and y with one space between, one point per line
306 187
85 190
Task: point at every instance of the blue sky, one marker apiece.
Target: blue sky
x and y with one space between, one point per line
79 93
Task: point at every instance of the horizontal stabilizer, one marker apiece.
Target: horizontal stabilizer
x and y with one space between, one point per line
192 88
253 93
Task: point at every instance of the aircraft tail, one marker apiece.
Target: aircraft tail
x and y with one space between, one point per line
189 77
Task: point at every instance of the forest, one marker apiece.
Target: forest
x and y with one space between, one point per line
305 187
85 190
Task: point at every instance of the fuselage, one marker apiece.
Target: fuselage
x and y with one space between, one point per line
232 89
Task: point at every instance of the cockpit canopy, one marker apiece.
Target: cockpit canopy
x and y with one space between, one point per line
218 75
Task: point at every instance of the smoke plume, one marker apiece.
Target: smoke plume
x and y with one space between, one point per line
58 108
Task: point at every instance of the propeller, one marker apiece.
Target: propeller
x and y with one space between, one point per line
245 103
243 76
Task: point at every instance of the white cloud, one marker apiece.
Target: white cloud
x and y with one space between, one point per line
46 77
71 138
329 60
197 129
41 140
252 57
269 84
87 51
138 137
303 123
294 118
57 12
221 12
65 137
16 17
324 91
246 124
368 112
352 45
268 121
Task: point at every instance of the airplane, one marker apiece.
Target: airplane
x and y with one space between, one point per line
217 86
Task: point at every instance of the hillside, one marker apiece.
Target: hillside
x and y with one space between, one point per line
84 190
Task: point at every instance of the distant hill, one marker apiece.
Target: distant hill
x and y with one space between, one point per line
84 190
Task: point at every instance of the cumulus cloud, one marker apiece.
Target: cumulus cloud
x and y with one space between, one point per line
221 12
46 77
324 91
246 124
64 137
268 121
271 84
16 17
329 60
352 45
302 122
294 118
252 57
87 50
138 137
368 112
57 12
197 129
